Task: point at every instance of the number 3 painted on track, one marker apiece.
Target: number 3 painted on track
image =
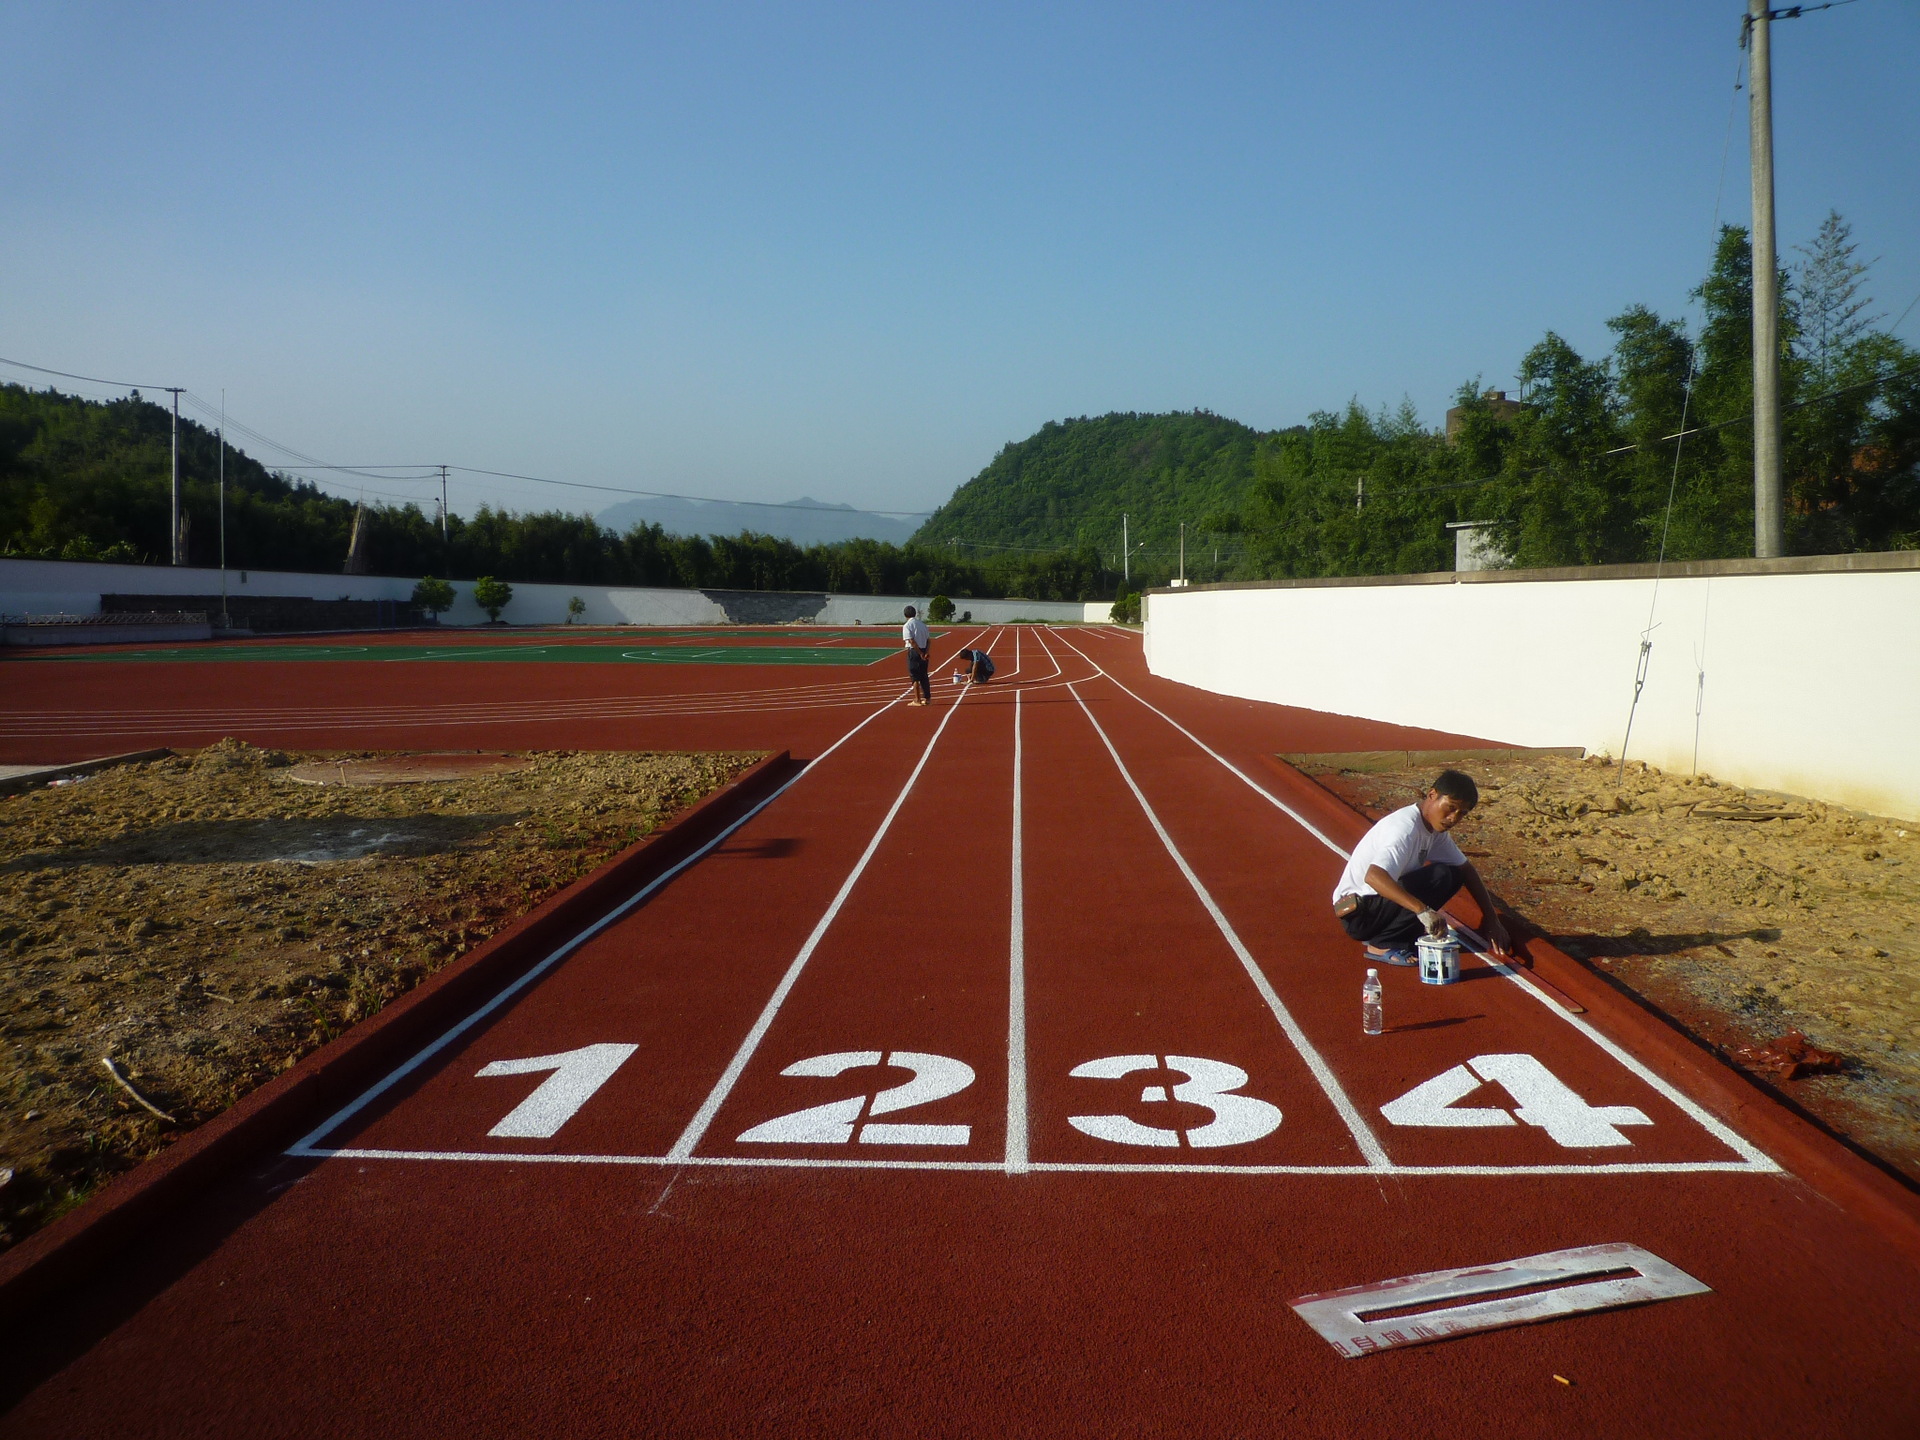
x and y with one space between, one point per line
1237 1119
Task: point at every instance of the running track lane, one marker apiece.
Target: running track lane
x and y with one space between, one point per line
710 1296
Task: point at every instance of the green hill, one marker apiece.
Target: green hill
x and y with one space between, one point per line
1066 487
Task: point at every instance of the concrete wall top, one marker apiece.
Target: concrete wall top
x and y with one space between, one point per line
1884 560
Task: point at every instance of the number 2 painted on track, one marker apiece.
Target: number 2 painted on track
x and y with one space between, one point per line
935 1077
558 1098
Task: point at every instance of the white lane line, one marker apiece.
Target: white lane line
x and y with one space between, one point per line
1017 982
1752 1157
305 1145
1251 783
764 1162
697 1127
1356 1124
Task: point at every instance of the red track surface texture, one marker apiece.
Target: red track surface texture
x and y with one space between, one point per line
808 1154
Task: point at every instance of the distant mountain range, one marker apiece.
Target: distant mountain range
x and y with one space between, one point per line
804 521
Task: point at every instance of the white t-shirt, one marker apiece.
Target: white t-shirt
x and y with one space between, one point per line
915 632
1398 844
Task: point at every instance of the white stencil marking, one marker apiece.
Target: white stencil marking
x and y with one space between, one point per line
1545 1101
576 1075
1237 1119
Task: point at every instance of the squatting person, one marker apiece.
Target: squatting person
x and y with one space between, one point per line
1405 868
976 665
918 641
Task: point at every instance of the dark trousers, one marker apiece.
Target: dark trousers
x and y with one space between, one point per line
917 672
1385 926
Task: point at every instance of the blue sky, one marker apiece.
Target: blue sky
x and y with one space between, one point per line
755 251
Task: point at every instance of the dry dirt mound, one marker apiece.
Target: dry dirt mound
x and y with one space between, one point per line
203 923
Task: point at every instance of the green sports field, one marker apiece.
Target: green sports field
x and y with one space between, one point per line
523 654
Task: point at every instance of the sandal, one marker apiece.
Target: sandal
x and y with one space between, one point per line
1395 956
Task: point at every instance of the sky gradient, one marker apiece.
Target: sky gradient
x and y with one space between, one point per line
756 251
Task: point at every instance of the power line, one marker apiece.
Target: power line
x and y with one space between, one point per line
69 375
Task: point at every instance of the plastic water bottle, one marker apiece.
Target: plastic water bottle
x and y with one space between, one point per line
1372 1017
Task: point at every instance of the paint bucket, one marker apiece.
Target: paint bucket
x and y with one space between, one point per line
1439 959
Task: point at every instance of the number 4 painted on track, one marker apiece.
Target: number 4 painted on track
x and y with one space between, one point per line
576 1075
1544 1101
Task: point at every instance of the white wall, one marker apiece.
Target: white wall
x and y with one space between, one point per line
1812 680
44 587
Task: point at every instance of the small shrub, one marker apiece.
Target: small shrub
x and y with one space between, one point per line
939 610
492 596
433 596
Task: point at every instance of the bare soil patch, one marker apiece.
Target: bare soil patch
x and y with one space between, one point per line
1744 915
205 921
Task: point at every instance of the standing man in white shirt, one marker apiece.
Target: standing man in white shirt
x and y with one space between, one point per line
1405 868
918 641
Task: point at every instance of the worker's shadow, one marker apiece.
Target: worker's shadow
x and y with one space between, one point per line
772 848
1587 946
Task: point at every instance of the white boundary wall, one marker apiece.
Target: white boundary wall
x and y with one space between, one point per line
49 587
1811 666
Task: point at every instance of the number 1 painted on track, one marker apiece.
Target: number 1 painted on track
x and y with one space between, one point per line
576 1075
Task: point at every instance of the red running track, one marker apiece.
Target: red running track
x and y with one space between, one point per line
817 1163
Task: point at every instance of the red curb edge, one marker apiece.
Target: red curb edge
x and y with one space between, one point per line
1801 1147
290 1104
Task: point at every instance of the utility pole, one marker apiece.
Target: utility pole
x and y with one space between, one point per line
1183 552
224 622
178 547
446 545
1768 520
1126 555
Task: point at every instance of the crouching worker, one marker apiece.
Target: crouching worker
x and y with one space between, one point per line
977 666
1406 868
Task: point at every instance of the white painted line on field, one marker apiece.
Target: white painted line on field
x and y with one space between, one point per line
1037 1167
1752 1156
305 1145
697 1127
1017 980
1356 1124
1251 783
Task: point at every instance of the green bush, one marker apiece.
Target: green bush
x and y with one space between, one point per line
492 596
1126 610
433 596
939 610
576 607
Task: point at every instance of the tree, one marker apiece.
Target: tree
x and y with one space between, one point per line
492 596
576 607
1126 609
939 610
1832 305
433 596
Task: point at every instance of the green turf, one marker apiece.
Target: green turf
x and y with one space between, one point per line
522 653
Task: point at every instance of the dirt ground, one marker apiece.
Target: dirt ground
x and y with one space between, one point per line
205 921
1742 915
